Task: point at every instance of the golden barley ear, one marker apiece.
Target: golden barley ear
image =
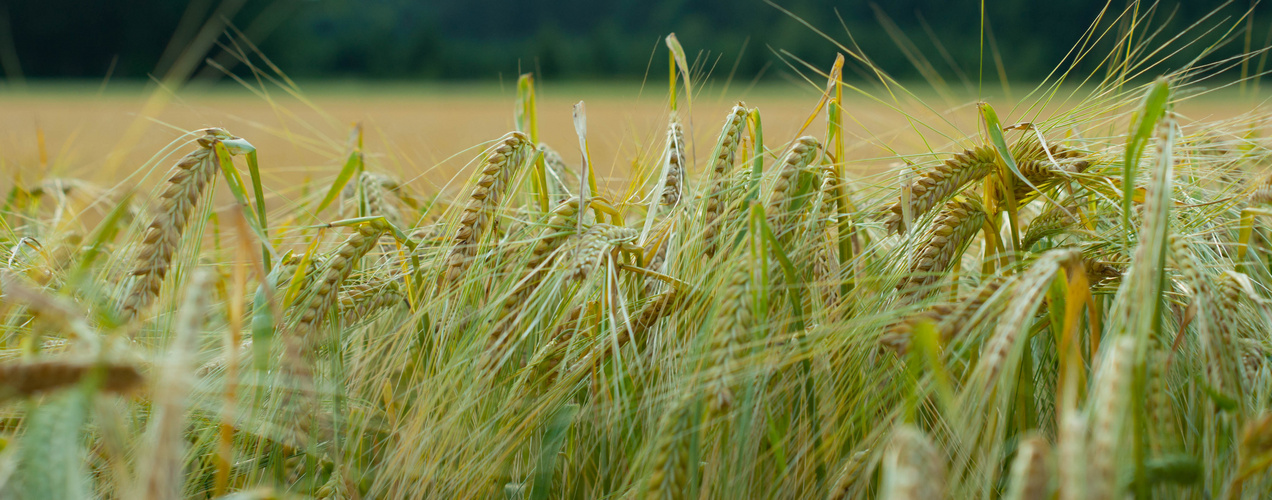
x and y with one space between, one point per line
940 183
190 177
953 229
785 185
498 169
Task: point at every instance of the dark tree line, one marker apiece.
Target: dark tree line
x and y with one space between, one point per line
577 39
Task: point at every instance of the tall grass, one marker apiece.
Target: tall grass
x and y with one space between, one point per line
1076 305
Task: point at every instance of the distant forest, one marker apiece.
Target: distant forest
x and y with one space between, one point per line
592 39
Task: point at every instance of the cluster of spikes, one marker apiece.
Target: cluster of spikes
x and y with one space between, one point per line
1028 315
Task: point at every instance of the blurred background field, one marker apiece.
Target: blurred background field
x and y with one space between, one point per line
432 82
427 133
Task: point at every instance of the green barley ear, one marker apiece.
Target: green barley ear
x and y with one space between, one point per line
669 462
723 160
1110 421
673 165
849 476
1054 221
787 189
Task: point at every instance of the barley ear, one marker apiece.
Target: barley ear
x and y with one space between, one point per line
177 204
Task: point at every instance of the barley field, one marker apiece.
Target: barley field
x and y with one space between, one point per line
682 289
